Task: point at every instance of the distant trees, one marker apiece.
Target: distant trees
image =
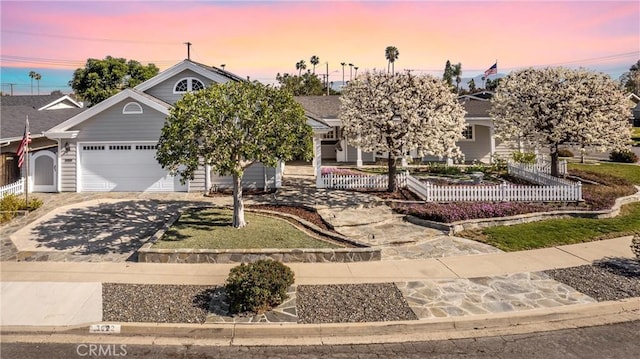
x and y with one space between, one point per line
472 86
315 60
301 65
630 80
396 113
35 76
451 73
554 106
307 84
391 53
101 79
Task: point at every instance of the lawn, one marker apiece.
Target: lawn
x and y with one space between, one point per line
210 228
629 172
556 232
635 135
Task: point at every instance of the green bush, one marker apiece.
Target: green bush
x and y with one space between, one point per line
257 287
623 156
11 204
443 169
563 152
524 157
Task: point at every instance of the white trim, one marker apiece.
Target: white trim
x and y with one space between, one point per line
136 108
59 172
56 135
65 97
107 104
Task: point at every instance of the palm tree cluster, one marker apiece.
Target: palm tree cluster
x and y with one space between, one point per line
391 53
35 76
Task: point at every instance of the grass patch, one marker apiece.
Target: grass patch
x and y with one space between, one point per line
557 232
210 228
629 172
635 135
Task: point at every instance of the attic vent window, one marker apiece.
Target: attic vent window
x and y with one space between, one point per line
187 85
132 108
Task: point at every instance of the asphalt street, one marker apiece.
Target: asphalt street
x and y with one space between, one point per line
619 341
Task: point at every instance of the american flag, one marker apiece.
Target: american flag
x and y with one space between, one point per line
491 70
22 148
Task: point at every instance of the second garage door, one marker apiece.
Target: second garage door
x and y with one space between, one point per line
124 167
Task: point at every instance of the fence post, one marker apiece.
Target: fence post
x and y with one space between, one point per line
428 193
503 191
579 185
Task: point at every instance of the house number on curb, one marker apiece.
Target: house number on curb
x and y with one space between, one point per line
104 328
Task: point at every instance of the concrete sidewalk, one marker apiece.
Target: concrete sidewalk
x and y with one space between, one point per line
73 289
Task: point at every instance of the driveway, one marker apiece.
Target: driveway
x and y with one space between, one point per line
96 230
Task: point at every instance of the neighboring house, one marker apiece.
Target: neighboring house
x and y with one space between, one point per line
479 144
635 109
44 112
112 145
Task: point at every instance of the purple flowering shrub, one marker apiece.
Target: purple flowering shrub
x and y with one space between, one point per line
460 211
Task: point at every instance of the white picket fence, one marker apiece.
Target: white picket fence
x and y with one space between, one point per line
569 191
341 181
530 173
490 193
13 188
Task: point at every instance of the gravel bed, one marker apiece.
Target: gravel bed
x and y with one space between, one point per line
609 279
155 303
349 303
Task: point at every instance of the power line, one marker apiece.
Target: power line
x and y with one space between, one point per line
94 39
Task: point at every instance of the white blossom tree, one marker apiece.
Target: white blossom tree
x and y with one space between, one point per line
396 113
556 106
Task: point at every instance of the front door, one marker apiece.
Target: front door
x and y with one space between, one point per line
43 171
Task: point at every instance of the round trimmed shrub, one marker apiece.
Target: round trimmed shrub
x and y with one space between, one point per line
257 287
623 156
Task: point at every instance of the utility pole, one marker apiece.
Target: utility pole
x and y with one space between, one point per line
188 50
327 82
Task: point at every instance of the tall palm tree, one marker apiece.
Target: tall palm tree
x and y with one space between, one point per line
38 77
343 63
314 61
32 74
356 68
457 72
350 71
391 53
300 65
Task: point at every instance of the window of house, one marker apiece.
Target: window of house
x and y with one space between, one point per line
187 85
469 133
132 108
329 135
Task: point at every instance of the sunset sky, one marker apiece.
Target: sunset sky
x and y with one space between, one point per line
260 39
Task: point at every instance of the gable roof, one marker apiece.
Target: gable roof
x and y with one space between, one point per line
34 101
63 99
209 72
141 97
13 120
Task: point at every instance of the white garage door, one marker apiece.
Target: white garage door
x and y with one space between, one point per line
124 167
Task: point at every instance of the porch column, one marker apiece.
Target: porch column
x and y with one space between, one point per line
207 178
492 141
359 157
317 161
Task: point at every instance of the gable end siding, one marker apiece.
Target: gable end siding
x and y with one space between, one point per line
164 90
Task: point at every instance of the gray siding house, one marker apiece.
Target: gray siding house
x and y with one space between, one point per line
112 145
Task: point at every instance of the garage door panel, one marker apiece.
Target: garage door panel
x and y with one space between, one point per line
123 168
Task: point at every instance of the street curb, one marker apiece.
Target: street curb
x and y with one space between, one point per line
530 321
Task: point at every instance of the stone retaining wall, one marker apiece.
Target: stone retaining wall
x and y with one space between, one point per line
151 255
457 227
